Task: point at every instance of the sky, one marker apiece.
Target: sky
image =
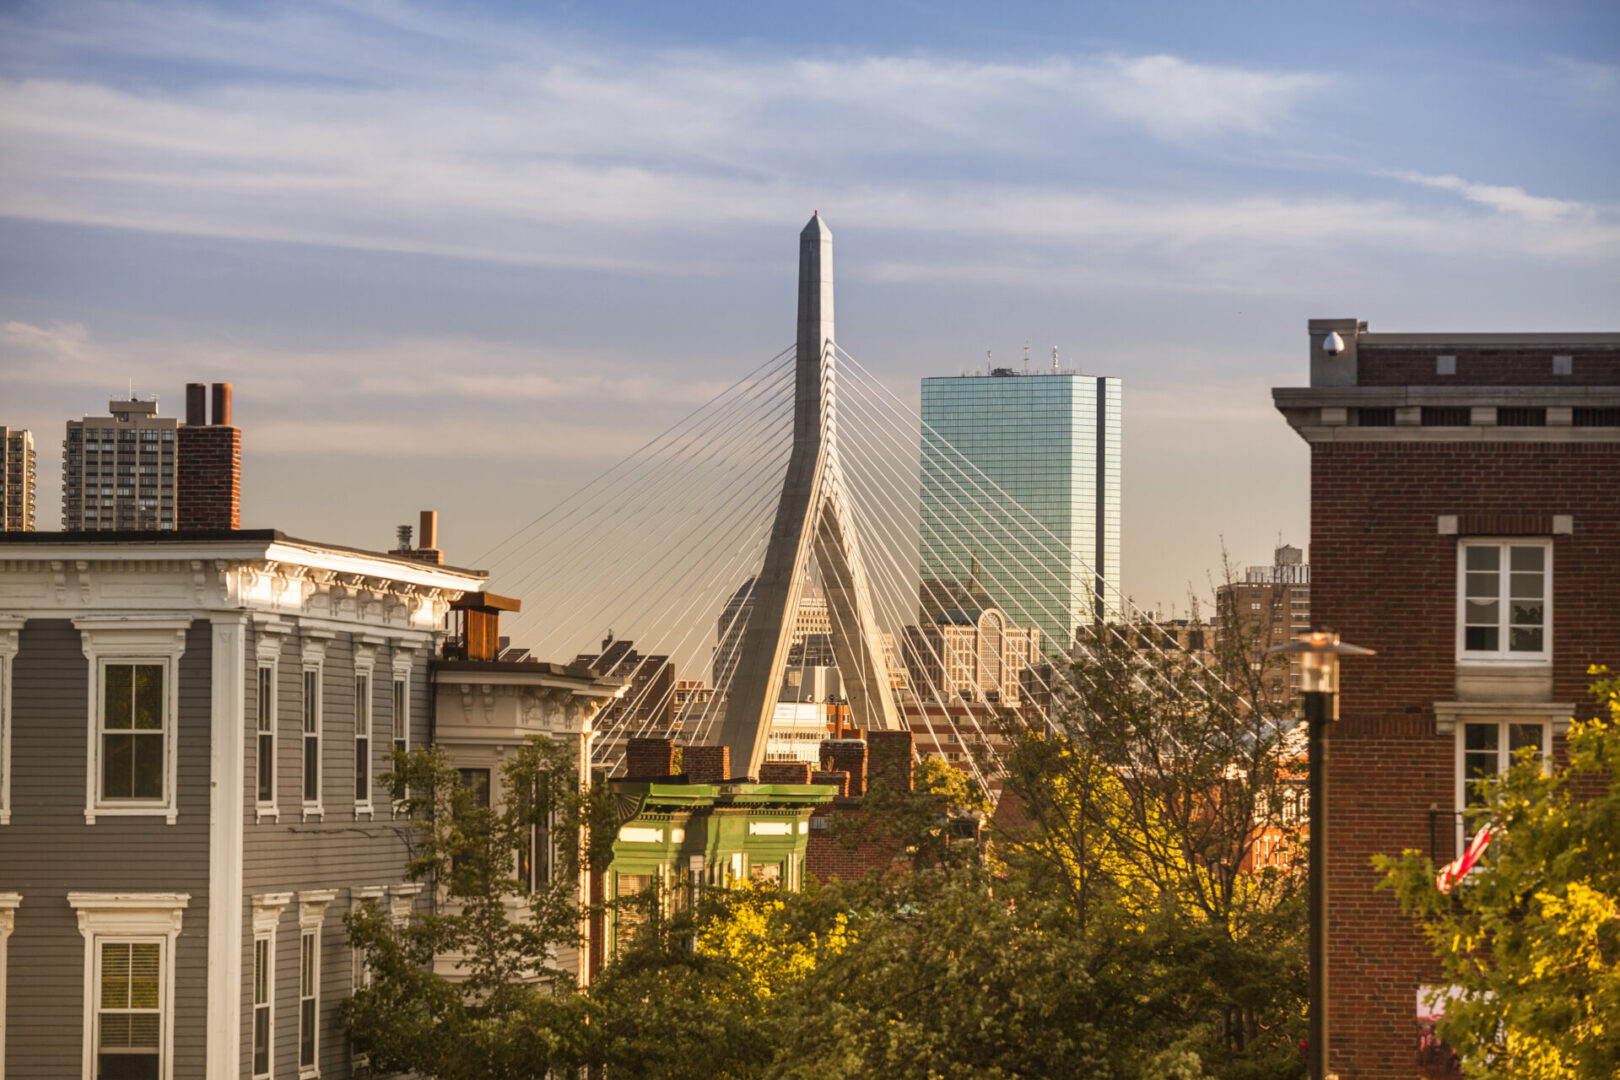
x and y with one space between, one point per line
466 256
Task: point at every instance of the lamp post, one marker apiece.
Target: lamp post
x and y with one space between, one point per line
1319 650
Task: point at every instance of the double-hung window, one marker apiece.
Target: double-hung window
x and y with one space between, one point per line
312 738
129 941
134 729
309 998
264 982
265 760
129 1009
1504 592
402 718
1485 749
362 742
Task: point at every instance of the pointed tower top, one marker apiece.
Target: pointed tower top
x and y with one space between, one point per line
817 226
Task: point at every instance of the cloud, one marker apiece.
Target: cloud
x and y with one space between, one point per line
1506 199
1593 85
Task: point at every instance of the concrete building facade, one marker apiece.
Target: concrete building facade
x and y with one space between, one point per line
1049 443
119 471
17 479
1464 524
193 732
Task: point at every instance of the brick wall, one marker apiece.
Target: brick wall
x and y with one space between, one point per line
1385 578
784 772
1381 365
706 764
889 759
847 755
649 758
208 481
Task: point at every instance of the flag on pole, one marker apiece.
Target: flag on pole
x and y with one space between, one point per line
1457 869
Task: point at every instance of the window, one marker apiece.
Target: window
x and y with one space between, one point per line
401 715
475 781
129 982
132 704
1503 594
263 1017
312 738
132 733
10 625
309 998
1486 749
362 742
266 756
312 905
129 1009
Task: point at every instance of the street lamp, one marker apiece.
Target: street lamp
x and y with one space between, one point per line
1319 650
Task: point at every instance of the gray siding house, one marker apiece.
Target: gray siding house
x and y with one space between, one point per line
193 731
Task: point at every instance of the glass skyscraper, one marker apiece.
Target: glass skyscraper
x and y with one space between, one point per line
1049 443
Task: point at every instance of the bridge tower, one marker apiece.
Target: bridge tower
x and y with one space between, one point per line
813 521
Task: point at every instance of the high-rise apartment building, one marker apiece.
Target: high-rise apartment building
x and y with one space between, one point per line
118 471
1268 608
16 480
1048 443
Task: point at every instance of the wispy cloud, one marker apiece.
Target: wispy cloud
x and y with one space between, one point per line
1508 199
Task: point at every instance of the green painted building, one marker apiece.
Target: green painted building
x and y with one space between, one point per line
683 836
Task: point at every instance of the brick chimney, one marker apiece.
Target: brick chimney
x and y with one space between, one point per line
706 764
846 755
649 759
784 772
208 481
889 759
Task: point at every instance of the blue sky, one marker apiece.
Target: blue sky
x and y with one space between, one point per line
465 255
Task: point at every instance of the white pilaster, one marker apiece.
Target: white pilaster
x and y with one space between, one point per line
227 765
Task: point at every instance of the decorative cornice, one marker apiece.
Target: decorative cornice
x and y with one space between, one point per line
267 909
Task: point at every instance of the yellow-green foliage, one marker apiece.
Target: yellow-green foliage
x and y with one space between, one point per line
1533 938
755 940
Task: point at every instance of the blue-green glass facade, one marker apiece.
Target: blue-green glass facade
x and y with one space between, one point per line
1051 445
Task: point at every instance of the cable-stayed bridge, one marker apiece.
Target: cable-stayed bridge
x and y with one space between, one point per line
775 530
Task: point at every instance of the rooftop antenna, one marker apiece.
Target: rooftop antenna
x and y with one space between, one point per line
1054 360
989 364
1026 356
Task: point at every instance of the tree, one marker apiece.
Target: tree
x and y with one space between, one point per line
510 1011
1145 802
1531 939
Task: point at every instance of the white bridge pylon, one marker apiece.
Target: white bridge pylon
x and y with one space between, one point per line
813 521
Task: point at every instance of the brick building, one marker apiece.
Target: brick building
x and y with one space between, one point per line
1269 607
1465 518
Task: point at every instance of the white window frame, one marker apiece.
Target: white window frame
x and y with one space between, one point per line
400 711
313 645
108 640
9 901
267 909
367 730
312 905
1502 655
266 703
10 629
1504 758
129 917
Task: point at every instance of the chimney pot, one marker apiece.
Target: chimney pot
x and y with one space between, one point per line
222 404
196 404
429 532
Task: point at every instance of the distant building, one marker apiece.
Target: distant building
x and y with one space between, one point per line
647 708
972 655
812 618
1269 607
119 471
16 480
1050 443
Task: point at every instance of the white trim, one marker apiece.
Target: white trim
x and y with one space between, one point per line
401 898
267 909
267 809
365 668
226 821
8 912
10 630
1504 625
312 808
129 640
149 917
309 927
1500 717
